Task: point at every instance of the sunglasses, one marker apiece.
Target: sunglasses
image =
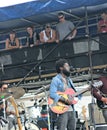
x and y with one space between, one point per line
48 27
60 17
4 88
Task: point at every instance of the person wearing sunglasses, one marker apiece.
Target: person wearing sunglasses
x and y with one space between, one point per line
64 27
48 35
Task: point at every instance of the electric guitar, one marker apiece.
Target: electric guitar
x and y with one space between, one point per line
59 107
101 104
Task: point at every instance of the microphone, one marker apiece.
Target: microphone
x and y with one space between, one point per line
72 68
43 89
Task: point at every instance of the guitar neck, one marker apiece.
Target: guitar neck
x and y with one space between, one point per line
81 91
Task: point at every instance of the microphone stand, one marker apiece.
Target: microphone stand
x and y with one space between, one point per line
4 108
3 120
91 67
46 98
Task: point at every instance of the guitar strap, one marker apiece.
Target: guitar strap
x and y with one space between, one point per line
71 85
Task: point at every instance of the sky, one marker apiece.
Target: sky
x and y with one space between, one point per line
4 3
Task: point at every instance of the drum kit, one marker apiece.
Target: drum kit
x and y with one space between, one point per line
27 116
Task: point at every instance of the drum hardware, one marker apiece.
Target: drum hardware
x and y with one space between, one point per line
12 100
29 119
3 121
31 126
33 112
17 93
3 101
46 99
10 94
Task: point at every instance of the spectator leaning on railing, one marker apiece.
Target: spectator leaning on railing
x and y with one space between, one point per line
48 35
64 27
12 42
32 38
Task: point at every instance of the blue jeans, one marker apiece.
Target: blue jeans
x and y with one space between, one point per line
12 122
67 120
105 114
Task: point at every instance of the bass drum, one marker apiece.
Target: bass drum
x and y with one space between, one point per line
33 112
31 126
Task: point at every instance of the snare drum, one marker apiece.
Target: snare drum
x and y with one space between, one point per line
33 112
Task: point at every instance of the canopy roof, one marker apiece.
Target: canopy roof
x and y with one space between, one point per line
39 12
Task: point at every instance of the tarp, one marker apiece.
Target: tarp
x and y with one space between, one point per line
43 6
40 12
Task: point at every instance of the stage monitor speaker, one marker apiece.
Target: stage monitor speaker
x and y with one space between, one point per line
101 127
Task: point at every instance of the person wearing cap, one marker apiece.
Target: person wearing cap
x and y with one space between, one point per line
48 35
32 38
102 24
12 42
64 27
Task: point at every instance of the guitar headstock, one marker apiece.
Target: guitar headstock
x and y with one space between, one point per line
97 84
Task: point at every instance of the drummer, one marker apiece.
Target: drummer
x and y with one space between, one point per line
3 86
11 119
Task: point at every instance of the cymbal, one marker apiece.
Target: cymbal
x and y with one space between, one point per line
4 95
16 92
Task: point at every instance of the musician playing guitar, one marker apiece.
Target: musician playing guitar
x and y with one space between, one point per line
101 96
60 83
